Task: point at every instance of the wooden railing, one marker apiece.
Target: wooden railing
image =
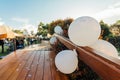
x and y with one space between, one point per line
107 67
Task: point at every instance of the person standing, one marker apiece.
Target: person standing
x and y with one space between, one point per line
2 44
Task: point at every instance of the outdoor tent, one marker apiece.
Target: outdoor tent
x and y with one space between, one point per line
3 36
6 32
18 35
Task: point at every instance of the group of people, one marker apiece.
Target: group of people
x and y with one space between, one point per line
17 43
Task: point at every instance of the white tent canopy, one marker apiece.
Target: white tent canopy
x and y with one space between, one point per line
6 31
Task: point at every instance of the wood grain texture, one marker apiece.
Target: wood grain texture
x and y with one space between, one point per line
30 65
107 67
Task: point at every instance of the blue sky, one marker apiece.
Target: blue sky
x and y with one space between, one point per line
28 13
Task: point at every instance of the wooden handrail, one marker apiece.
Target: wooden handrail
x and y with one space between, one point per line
107 67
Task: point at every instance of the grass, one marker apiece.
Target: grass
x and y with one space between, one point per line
5 51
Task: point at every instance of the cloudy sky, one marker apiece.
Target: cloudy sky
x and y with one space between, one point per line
28 13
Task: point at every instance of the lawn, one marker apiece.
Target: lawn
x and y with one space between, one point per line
6 51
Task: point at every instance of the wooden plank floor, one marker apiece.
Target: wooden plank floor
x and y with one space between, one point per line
30 65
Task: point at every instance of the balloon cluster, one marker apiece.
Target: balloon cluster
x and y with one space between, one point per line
57 30
84 31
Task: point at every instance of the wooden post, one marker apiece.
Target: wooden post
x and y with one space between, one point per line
14 41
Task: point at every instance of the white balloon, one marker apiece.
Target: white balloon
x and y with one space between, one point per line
58 30
66 61
84 31
61 32
53 40
105 47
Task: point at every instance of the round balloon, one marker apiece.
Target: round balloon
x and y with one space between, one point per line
105 47
53 40
66 61
58 30
84 31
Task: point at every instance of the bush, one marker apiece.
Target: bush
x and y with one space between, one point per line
116 42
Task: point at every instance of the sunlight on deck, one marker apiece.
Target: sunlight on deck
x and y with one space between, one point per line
32 63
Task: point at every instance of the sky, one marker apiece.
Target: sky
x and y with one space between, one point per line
26 14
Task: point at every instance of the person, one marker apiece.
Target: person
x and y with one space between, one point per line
31 41
25 42
2 44
12 45
21 43
17 43
28 41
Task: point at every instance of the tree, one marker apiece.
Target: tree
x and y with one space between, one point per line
105 32
115 28
64 24
42 29
18 31
40 26
67 23
58 22
115 41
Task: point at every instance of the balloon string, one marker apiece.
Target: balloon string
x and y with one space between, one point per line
76 47
75 50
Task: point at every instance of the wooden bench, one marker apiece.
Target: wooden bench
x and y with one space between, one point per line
107 67
30 65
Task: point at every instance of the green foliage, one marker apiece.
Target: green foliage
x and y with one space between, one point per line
42 29
105 30
53 24
117 22
115 28
17 31
115 41
6 51
63 23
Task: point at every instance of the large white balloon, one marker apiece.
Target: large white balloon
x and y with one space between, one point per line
58 30
105 47
53 40
66 61
84 31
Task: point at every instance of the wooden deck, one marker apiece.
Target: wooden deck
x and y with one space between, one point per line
30 65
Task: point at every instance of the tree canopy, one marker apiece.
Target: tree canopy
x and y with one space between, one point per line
64 24
105 32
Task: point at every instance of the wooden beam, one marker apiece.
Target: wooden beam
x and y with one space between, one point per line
107 67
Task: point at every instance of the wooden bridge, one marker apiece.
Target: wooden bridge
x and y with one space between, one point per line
37 63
